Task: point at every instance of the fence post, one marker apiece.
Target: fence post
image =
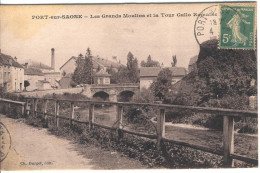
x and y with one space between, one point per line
228 140
35 106
26 108
57 114
160 128
119 119
91 116
71 113
23 110
45 112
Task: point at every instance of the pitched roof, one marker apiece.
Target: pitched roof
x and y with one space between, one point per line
97 61
102 73
33 71
149 71
73 57
193 60
36 64
154 71
9 61
178 71
106 63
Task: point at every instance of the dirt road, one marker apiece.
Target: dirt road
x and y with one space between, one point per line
33 148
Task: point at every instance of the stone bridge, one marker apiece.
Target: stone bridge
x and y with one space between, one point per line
112 92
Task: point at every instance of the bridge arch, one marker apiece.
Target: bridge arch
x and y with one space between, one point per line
125 96
101 96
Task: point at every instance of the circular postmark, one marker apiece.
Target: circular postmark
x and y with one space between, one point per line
5 141
207 24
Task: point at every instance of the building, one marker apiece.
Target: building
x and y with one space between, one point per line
149 74
11 73
99 64
177 73
65 82
41 76
69 66
31 77
193 64
102 77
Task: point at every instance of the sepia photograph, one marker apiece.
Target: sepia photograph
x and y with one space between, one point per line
128 86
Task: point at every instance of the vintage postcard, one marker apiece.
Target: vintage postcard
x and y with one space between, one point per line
128 86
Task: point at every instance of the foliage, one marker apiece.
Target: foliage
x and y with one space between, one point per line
2 91
129 74
83 72
162 85
70 96
222 78
26 84
150 63
73 84
174 61
132 68
144 96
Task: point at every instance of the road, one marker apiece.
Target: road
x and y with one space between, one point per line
36 149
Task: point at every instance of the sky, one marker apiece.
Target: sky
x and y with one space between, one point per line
160 37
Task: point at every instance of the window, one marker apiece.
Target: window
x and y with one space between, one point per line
107 80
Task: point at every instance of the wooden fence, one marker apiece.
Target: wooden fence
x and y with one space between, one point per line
228 123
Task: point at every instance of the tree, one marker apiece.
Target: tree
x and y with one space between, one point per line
132 68
83 72
76 77
161 87
26 84
174 60
150 62
98 68
88 68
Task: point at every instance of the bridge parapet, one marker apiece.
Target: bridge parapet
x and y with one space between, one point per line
131 85
113 90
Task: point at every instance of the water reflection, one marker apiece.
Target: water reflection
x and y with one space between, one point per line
104 114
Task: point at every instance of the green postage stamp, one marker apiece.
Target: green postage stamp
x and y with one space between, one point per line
237 27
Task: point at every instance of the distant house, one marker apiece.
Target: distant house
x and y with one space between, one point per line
34 68
43 85
69 66
65 82
32 76
149 74
11 73
193 64
102 77
177 73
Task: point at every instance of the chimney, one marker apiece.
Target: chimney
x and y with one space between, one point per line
15 58
26 65
10 62
52 59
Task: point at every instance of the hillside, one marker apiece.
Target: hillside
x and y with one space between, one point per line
222 78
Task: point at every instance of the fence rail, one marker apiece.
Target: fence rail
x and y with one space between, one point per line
228 122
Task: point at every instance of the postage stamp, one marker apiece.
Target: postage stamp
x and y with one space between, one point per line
237 28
